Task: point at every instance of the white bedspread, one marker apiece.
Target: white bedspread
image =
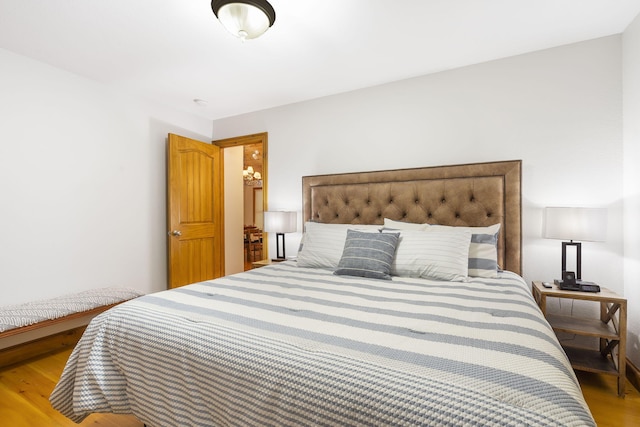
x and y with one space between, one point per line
282 345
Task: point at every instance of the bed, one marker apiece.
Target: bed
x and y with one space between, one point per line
337 338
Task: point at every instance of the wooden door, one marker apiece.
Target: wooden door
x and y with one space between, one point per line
194 211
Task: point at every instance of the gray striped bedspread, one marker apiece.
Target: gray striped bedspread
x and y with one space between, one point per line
282 345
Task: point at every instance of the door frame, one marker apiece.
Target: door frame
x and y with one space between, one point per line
256 138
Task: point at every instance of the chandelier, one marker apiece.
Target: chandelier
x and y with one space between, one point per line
251 177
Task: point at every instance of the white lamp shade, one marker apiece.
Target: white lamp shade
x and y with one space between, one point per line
580 224
243 20
280 222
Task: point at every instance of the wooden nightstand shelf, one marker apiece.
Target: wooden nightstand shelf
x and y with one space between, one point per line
611 329
264 262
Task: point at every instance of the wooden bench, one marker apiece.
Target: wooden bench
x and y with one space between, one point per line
39 327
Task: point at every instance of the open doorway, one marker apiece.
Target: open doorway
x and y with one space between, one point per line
245 159
252 169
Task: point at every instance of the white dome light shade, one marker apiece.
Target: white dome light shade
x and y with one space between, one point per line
244 19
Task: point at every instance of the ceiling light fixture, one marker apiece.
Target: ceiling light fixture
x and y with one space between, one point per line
245 19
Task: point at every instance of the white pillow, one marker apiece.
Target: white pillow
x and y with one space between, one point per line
322 244
441 254
483 251
400 225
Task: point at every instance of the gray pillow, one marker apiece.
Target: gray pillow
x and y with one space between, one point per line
368 254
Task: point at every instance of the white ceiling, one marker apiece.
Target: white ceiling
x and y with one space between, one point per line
173 51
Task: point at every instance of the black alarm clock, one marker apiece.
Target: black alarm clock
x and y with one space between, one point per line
568 278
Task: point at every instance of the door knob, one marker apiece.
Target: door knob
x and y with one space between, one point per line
175 233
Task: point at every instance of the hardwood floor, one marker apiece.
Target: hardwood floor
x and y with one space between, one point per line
24 396
601 393
25 389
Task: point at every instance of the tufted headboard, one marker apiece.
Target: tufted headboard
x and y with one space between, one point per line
478 194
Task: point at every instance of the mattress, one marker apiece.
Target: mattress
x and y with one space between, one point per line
284 345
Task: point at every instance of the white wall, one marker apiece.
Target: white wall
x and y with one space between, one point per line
82 180
559 110
631 147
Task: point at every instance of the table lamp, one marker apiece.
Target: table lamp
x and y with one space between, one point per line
575 225
280 222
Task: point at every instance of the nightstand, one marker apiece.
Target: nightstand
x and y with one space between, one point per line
264 262
610 328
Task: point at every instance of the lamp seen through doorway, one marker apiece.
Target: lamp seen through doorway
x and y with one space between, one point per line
575 225
280 222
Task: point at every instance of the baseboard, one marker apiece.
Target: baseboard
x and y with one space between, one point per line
39 347
633 374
